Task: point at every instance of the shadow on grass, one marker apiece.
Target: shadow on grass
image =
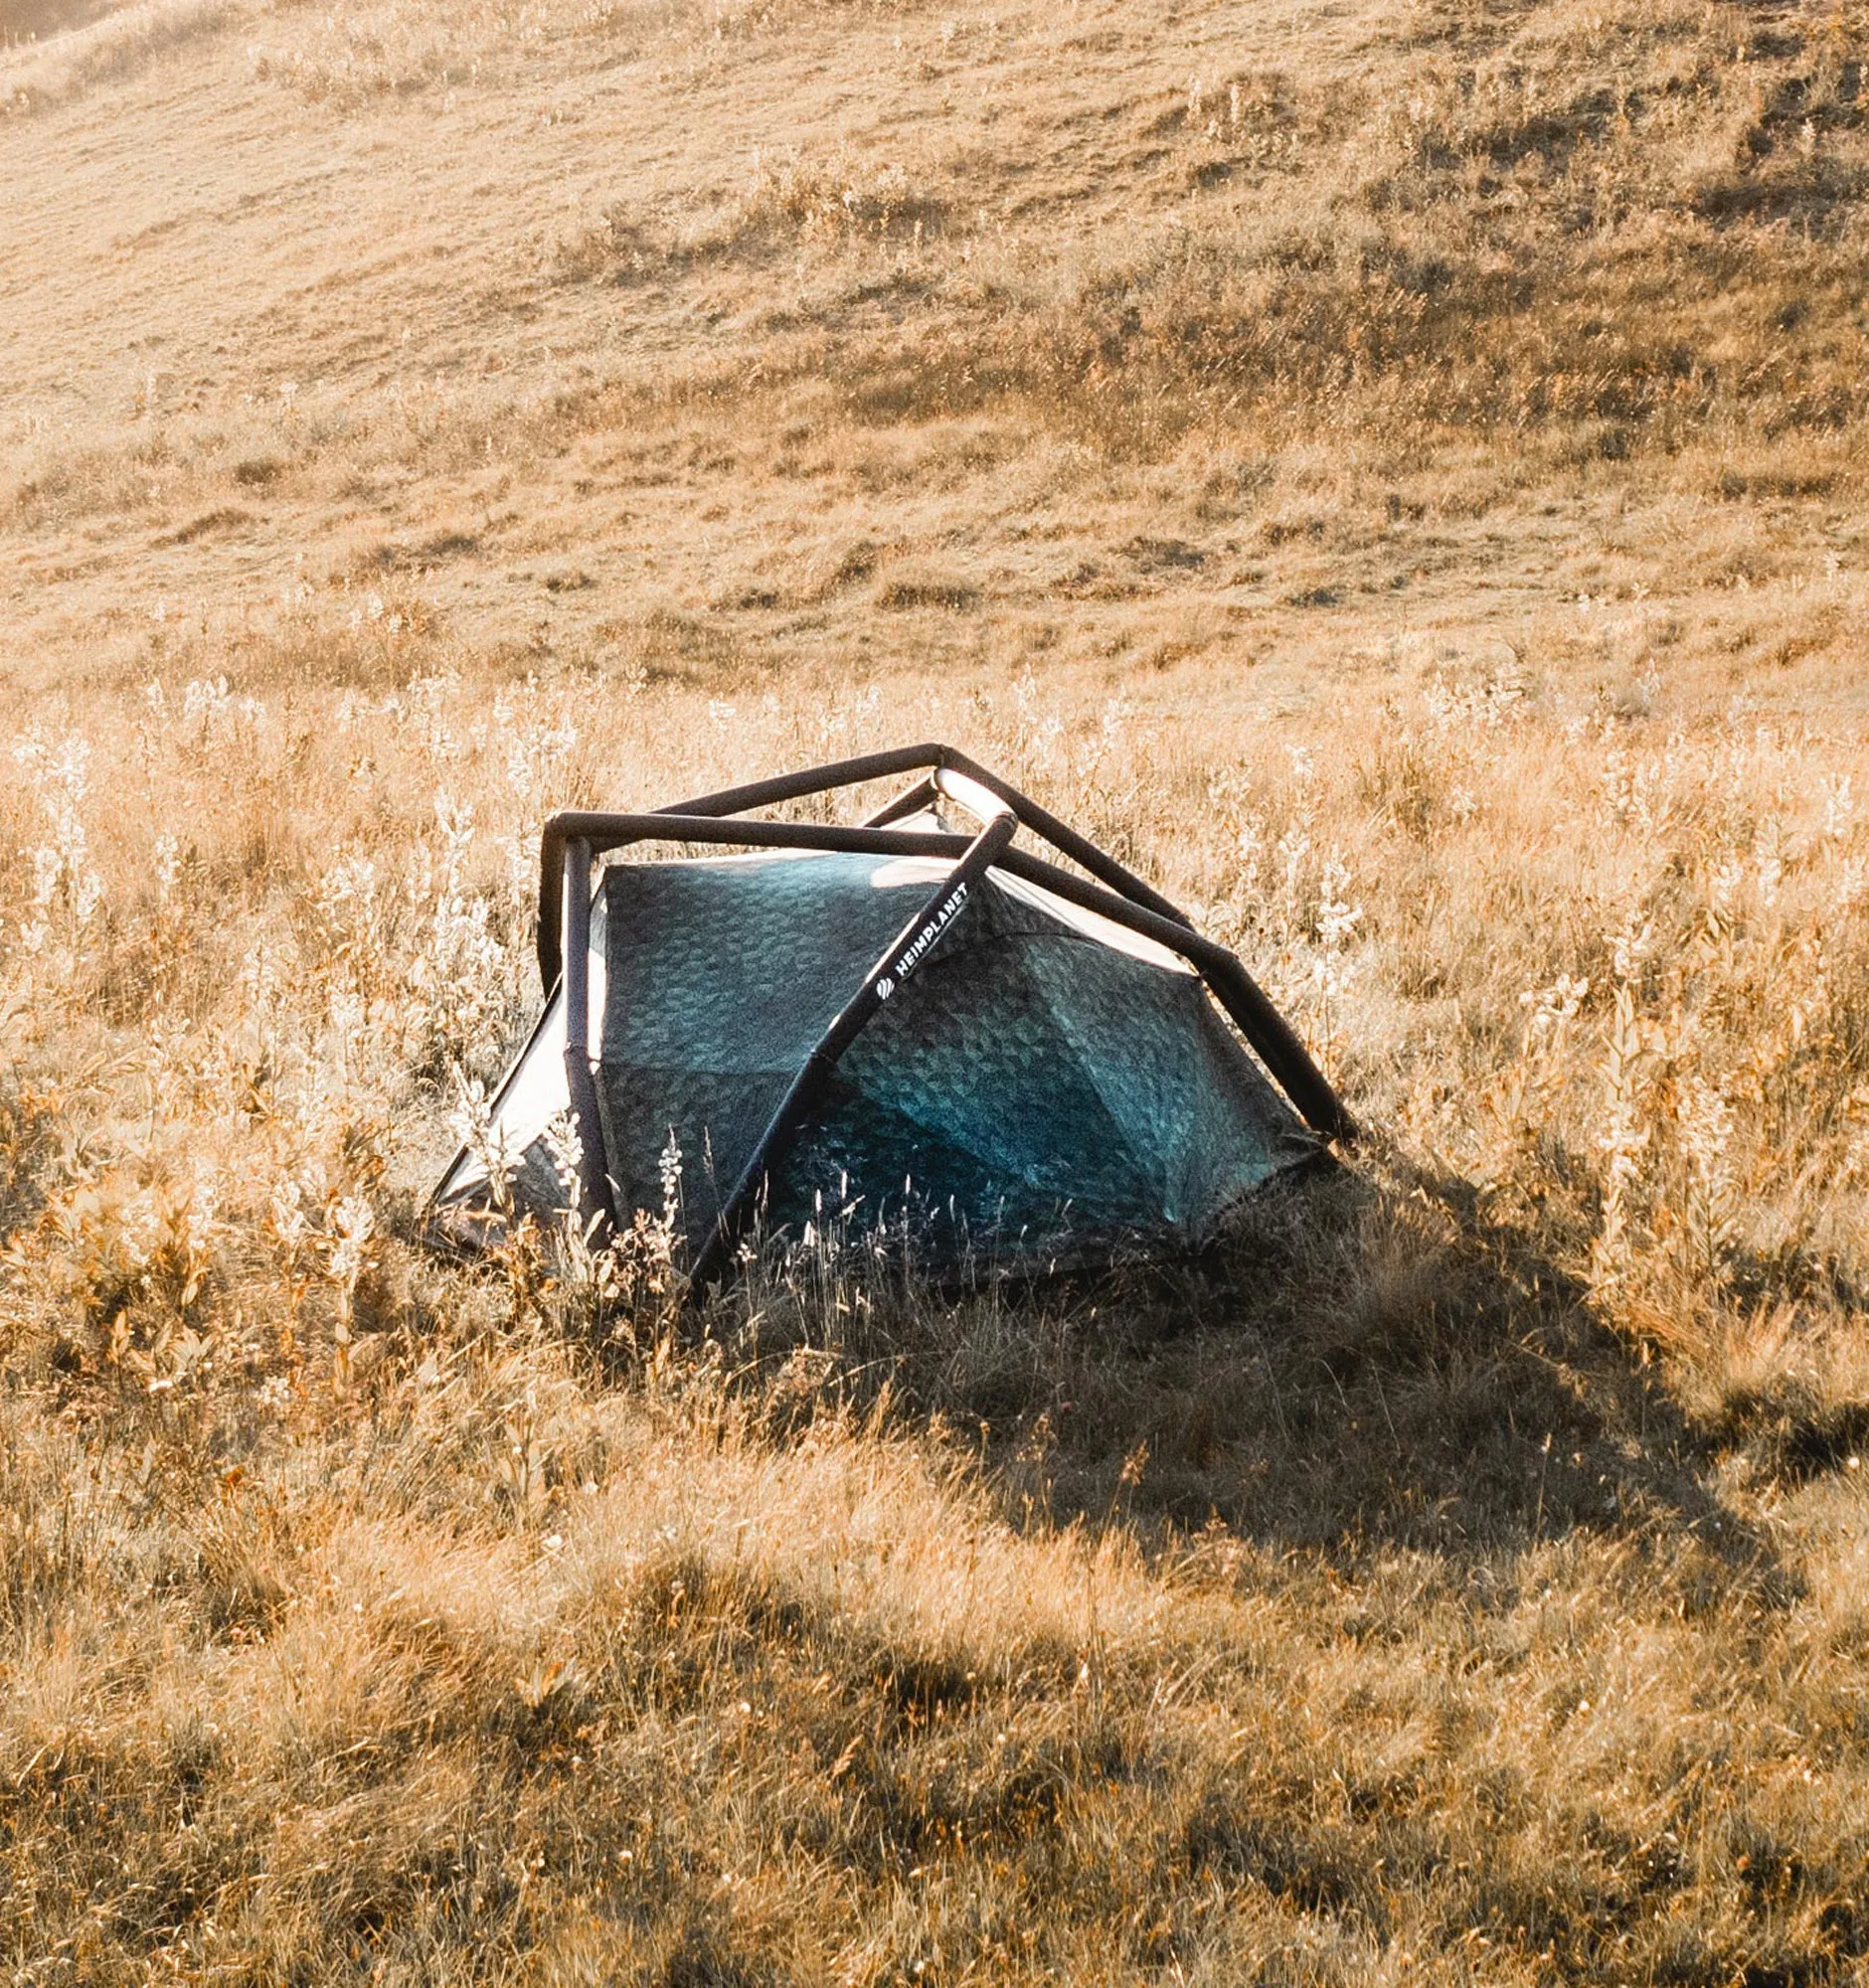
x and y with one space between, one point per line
1355 1367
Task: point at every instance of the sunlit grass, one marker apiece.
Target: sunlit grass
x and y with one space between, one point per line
1397 1575
1396 481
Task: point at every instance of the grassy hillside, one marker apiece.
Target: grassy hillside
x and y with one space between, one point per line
1394 472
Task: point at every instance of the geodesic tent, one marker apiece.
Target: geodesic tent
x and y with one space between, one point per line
894 1026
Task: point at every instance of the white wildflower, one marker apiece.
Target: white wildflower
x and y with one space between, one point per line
166 865
198 1222
1293 848
1630 946
1839 807
1770 876
496 1147
566 1149
349 1229
670 1168
207 703
286 1215
1553 1008
1706 1133
62 875
1337 917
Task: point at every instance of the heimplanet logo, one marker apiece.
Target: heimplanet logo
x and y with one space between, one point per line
888 983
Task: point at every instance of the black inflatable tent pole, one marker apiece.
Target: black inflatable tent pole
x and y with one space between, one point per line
605 832
1063 837
920 796
580 1082
728 801
939 759
1119 895
1270 1035
909 950
812 781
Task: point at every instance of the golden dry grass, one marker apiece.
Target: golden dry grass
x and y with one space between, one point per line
1391 473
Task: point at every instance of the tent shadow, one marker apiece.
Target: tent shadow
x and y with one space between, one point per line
1355 1367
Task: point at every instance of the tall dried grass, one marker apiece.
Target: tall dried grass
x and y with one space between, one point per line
1398 484
1465 1555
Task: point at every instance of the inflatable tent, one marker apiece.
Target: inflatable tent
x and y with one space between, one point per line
902 1025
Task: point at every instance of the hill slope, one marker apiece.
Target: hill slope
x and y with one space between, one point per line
1380 315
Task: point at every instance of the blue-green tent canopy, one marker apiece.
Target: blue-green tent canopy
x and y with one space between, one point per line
1049 1085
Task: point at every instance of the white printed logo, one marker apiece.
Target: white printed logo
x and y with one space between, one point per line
885 987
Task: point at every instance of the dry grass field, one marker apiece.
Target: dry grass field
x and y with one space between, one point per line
1398 470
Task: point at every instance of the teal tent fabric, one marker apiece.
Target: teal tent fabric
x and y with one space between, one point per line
1044 1089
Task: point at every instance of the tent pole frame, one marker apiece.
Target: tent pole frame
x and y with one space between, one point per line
572 842
930 759
595 1205
1118 893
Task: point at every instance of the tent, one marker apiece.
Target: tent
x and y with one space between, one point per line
899 1026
